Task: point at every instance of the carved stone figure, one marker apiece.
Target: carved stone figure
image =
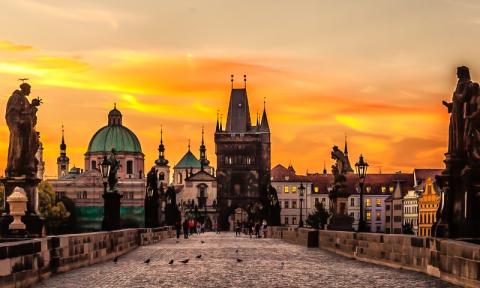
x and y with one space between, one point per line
152 181
21 120
112 176
341 161
457 110
472 130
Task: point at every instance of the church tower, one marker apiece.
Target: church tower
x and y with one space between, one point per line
204 163
161 164
62 160
243 159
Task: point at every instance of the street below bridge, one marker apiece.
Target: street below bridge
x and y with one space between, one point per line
261 263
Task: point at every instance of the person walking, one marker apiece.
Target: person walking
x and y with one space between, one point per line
257 230
264 228
178 227
238 228
250 229
199 227
185 229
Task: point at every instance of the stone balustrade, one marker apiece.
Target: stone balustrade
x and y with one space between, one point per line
457 262
23 263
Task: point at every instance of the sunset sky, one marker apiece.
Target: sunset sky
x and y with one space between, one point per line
375 70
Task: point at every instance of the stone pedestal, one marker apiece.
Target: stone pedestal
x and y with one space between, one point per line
34 224
111 212
458 215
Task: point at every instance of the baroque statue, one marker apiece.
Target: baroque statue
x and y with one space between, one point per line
112 176
21 116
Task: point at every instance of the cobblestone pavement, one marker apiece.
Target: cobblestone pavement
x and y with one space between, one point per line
266 263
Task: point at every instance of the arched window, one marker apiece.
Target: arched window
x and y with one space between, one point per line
94 165
161 176
129 167
84 196
179 180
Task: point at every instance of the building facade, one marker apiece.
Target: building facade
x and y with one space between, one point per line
410 210
243 160
85 188
428 203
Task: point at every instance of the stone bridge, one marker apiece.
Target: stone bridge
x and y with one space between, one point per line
265 263
287 258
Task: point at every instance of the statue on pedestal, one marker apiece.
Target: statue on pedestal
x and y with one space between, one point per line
21 171
459 213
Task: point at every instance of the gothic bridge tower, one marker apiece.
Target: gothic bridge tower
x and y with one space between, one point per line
243 160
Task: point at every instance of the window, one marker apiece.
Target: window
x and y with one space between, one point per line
378 216
94 165
84 195
390 188
285 189
179 178
129 167
352 202
79 195
369 189
294 204
387 219
286 204
397 207
397 218
286 221
384 189
294 189
294 220
315 189
378 202
387 207
161 176
316 201
368 202
368 216
323 200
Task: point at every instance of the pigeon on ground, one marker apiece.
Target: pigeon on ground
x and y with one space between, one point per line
178 241
239 260
236 251
199 256
147 261
115 259
185 261
171 262
282 265
202 241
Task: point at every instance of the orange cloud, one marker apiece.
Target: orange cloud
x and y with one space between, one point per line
13 47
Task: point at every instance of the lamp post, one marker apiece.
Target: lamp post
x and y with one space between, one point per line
361 166
111 198
302 191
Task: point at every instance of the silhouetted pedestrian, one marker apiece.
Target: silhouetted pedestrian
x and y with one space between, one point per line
185 229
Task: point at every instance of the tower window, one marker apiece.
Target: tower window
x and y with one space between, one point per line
161 176
129 167
94 165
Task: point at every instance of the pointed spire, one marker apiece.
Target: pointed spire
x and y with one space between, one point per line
264 127
161 161
245 80
221 122
231 80
203 152
324 168
345 150
188 145
203 132
217 127
257 119
63 146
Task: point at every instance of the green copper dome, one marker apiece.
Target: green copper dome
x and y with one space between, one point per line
114 135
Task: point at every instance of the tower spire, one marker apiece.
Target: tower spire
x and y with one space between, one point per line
324 168
231 80
245 81
188 145
345 150
264 127
217 127
62 160
161 161
203 153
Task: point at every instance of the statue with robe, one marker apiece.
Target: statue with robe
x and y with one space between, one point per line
24 143
458 110
112 176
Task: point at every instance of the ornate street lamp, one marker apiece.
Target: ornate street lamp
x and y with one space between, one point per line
105 170
302 191
361 166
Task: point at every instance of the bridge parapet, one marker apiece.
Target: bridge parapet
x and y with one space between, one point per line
23 263
457 262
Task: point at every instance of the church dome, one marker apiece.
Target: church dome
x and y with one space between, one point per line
114 135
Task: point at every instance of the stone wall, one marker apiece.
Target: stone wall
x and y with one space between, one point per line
457 262
23 263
